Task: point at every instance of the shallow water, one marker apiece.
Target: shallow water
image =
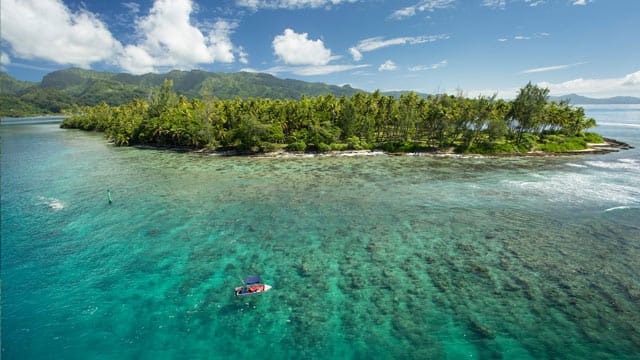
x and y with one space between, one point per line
370 257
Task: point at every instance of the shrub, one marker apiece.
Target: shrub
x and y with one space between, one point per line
355 143
338 147
563 145
267 147
592 138
298 146
322 147
402 146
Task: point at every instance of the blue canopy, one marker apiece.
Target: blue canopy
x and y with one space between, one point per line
252 280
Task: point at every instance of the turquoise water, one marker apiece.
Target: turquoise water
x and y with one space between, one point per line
369 257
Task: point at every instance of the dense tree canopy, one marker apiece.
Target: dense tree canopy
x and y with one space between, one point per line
362 121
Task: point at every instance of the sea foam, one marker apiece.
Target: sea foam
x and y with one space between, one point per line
52 203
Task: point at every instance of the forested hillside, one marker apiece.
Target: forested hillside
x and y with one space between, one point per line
61 90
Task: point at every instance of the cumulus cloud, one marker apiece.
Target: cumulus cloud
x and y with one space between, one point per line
168 39
289 4
388 66
551 68
376 43
48 30
628 85
298 49
424 5
437 65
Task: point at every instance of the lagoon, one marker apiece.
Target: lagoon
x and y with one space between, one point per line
370 257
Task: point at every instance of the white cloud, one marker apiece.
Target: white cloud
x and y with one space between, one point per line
534 2
628 85
376 43
324 69
132 6
220 45
388 66
307 70
169 40
494 3
424 5
581 2
244 57
48 30
4 58
551 68
355 53
289 4
438 65
539 35
298 49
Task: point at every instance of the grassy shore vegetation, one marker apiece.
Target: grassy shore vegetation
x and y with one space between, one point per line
363 121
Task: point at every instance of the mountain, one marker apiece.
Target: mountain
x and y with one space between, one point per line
583 100
87 87
11 86
194 83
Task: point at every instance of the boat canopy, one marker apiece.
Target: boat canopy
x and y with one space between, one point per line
252 280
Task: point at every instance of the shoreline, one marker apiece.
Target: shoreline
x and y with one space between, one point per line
609 146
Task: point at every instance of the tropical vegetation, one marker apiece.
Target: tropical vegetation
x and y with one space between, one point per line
362 121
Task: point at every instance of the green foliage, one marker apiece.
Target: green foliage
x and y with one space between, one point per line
298 146
338 147
592 138
561 143
322 147
354 143
325 123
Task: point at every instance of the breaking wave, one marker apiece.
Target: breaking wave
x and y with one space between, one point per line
52 203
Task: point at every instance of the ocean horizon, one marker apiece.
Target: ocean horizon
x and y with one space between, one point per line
369 257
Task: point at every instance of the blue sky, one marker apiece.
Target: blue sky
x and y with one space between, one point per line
589 47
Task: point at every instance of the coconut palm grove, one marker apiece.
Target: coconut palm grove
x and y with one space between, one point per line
408 123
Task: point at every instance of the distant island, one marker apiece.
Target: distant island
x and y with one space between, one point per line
583 100
363 121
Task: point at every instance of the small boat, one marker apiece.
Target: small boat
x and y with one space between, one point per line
252 285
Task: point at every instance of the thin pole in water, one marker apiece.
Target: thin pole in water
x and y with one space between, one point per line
109 196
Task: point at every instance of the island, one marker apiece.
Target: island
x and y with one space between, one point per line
529 124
